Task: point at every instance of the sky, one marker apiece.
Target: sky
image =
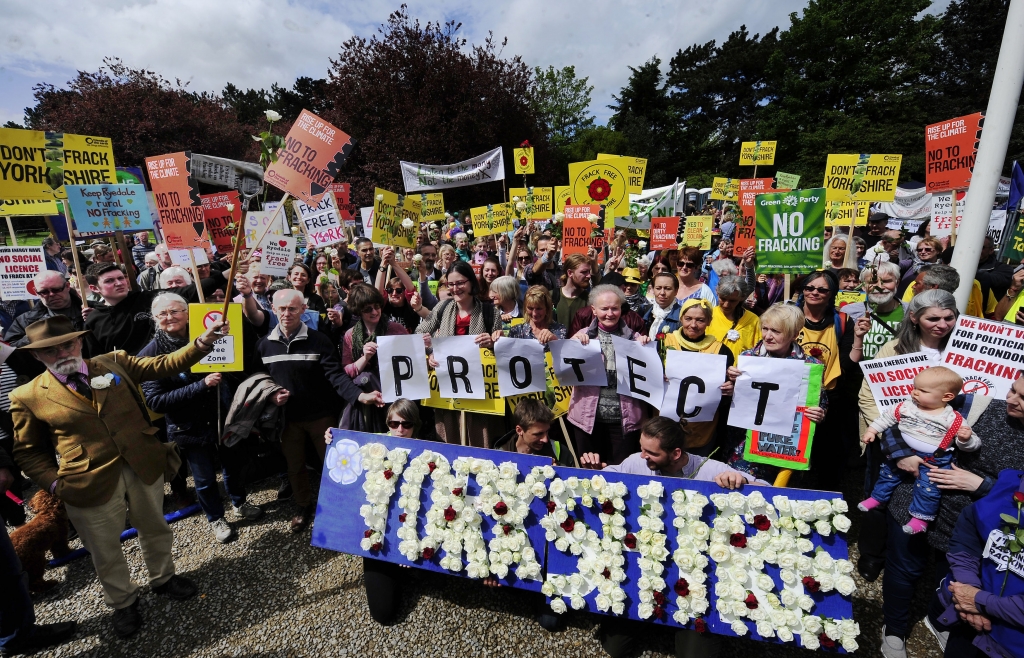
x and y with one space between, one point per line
254 43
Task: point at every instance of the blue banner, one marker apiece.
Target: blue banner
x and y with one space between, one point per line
106 208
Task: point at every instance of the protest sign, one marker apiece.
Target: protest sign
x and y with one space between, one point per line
942 213
434 488
460 371
366 220
664 233
484 168
36 164
555 395
602 182
661 202
227 350
949 151
523 157
844 297
563 197
634 168
864 177
693 391
892 378
744 234
403 367
987 354
492 219
576 364
757 153
725 189
767 394
311 159
181 257
432 207
698 232
785 181
106 208
521 366
17 267
577 227
639 372
790 228
218 218
322 221
256 222
390 211
21 207
538 201
792 449
343 200
278 255
130 175
177 199
840 213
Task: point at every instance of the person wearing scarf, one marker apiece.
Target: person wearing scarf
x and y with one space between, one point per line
359 356
636 296
663 315
704 437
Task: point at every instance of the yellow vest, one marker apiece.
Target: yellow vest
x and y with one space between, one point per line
749 328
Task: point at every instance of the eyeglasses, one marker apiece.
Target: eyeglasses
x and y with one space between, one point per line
687 263
51 352
404 424
396 291
523 259
50 291
371 308
163 315
458 284
817 289
922 250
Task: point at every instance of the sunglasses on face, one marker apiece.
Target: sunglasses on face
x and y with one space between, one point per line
523 259
817 289
404 424
922 250
688 264
396 291
50 291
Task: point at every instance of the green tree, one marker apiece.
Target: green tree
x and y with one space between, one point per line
562 102
645 119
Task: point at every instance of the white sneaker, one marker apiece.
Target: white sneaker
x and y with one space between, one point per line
249 512
221 530
892 646
940 636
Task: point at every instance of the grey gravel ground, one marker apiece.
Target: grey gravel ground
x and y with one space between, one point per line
269 593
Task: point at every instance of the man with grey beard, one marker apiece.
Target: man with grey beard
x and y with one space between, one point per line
877 319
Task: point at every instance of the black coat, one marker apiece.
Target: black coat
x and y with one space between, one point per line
189 407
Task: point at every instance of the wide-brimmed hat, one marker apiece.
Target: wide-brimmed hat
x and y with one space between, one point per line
54 330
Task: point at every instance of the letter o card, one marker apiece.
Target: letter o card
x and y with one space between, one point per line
227 351
522 367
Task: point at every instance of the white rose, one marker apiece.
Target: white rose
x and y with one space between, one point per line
558 606
785 634
408 223
839 506
577 602
802 527
844 567
849 628
826 582
515 198
804 545
788 598
641 245
812 625
764 629
719 553
823 528
805 602
272 116
841 522
823 561
737 501
822 508
765 582
809 641
739 628
849 644
845 585
521 206
618 607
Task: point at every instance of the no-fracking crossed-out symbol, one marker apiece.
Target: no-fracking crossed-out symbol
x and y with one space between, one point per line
211 318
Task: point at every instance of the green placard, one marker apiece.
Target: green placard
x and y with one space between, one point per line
790 229
784 181
1013 247
793 452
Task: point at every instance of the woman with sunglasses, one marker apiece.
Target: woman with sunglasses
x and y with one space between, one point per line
926 252
690 285
464 315
359 355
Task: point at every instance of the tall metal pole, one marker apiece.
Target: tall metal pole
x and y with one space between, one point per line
995 137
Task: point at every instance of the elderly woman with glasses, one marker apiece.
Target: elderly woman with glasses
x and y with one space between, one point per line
503 293
189 403
690 285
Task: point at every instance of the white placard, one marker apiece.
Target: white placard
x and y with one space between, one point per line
460 370
180 257
694 385
892 379
767 394
484 168
322 222
223 353
278 255
987 354
257 220
403 367
18 265
639 372
576 364
522 367
942 213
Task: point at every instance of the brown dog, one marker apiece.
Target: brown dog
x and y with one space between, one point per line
48 530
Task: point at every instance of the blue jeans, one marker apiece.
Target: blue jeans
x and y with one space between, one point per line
203 462
925 504
17 616
906 560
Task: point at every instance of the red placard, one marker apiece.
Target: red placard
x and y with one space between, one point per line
664 233
949 151
177 200
311 159
576 228
744 237
217 217
343 195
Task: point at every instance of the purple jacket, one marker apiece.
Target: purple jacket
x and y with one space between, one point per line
583 405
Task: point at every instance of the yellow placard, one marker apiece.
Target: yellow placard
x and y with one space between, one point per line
36 164
227 352
491 220
388 219
602 182
864 177
839 213
635 168
563 197
524 160
757 153
493 404
20 207
697 232
432 207
538 201
725 189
